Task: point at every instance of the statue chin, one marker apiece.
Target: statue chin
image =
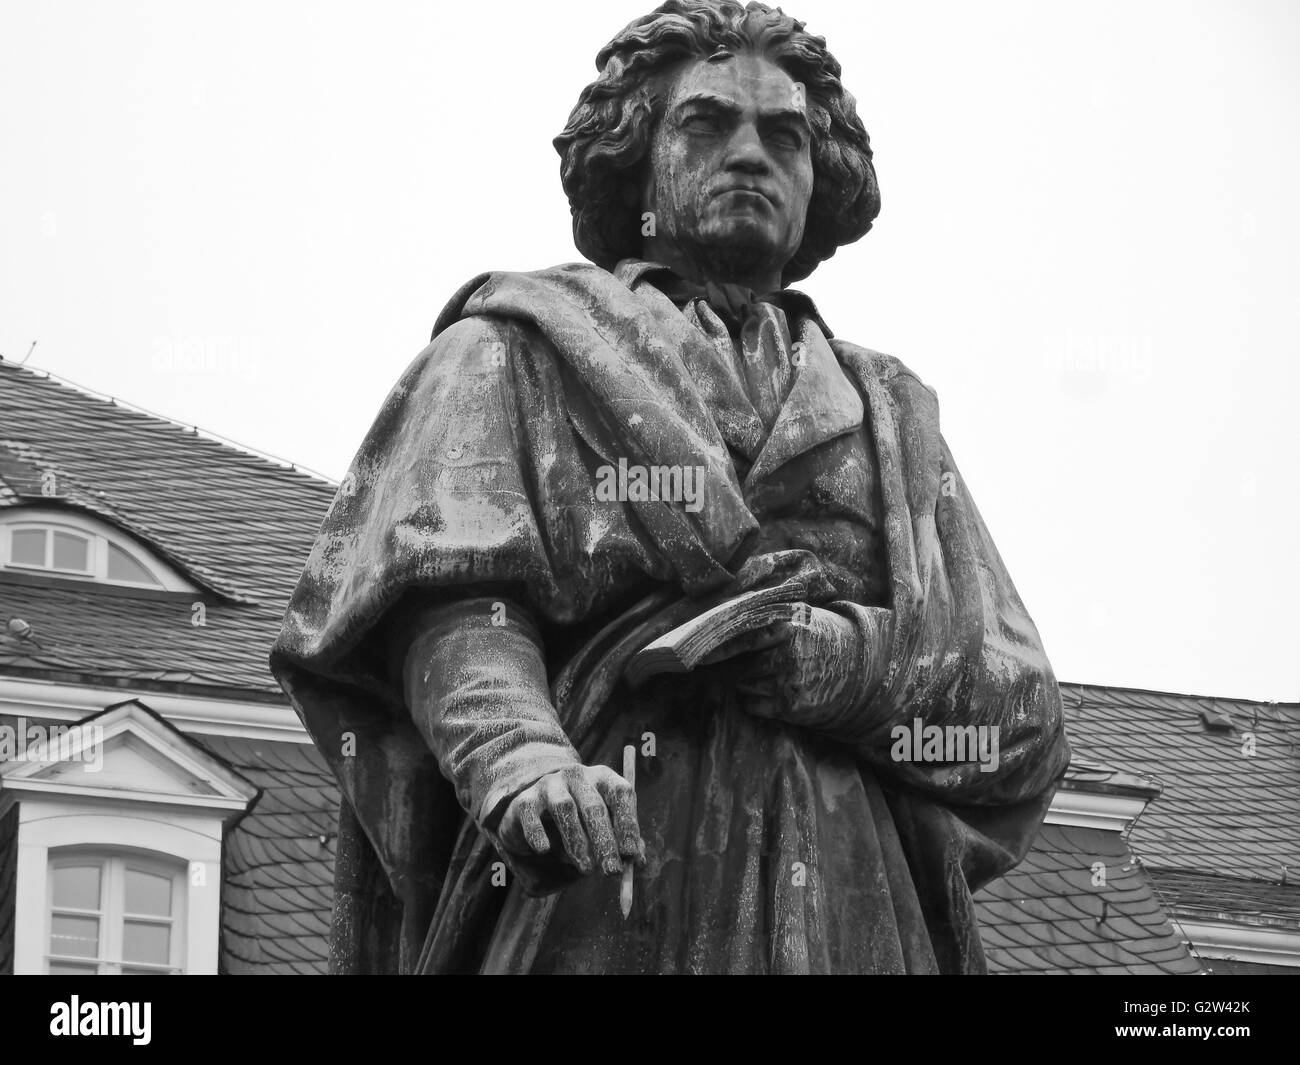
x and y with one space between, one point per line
738 252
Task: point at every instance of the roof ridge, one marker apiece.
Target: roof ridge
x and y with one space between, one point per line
42 376
1230 699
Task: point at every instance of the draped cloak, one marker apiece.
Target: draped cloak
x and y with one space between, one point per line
478 478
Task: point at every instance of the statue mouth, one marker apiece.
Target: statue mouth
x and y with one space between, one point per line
746 192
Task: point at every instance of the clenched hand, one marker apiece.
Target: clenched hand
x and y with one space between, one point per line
591 810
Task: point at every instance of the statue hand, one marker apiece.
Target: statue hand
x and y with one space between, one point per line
592 811
803 672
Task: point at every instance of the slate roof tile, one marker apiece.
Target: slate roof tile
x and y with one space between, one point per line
164 484
1193 891
173 476
1044 915
1221 812
278 880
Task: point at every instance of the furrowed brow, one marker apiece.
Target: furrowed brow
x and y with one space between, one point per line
786 114
710 100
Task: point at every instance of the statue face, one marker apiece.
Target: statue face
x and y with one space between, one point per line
730 171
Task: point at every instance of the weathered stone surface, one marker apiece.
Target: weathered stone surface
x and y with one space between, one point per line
586 456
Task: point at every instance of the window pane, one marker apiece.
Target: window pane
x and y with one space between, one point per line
76 887
122 567
146 942
62 968
148 893
71 552
29 547
77 937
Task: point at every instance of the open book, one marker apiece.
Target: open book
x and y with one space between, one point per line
682 649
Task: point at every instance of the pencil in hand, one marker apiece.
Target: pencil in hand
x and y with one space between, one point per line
625 888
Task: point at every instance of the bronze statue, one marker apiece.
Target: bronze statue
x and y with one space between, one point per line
586 459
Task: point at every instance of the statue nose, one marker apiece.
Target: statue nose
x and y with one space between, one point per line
746 151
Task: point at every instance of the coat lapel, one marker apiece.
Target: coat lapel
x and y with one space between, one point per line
711 365
822 404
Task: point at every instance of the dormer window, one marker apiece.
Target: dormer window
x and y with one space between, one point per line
61 543
50 547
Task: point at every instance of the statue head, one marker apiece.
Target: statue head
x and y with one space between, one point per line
717 138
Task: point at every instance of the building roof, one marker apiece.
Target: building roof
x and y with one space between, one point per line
1222 898
278 880
240 526
1222 811
1054 913
1220 838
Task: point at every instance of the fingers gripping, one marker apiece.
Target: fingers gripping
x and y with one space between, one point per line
522 827
620 800
563 808
596 820
593 813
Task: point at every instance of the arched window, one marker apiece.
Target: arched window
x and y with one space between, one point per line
62 543
114 913
119 869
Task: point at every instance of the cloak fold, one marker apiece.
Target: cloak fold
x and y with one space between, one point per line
476 479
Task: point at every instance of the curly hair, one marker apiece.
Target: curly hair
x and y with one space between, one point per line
607 140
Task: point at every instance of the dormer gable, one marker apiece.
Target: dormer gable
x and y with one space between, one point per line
125 753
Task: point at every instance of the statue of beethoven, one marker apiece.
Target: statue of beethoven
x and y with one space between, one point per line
586 457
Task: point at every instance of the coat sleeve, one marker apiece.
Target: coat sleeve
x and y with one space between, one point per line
452 496
476 687
475 684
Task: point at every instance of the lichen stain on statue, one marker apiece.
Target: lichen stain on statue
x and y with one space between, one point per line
331 557
646 604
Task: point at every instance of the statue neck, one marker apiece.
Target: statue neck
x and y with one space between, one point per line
766 278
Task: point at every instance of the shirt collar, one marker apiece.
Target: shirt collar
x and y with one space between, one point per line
633 272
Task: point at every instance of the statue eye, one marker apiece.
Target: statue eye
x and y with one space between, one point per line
701 122
787 137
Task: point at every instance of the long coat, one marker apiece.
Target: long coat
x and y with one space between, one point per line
771 849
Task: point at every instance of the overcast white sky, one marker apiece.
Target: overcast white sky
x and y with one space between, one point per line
246 216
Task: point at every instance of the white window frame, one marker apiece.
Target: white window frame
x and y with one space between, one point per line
51 825
99 535
179 818
111 912
92 567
